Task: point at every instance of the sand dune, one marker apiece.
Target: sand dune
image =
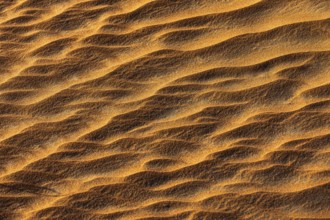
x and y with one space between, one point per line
165 109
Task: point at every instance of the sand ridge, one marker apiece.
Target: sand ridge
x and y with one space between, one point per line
164 109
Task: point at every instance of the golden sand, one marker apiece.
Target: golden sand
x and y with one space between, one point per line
164 109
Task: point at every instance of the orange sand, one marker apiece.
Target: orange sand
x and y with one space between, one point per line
164 109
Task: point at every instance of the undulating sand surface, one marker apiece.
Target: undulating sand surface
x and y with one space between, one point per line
164 109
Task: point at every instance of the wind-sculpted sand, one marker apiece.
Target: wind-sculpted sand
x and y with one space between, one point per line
165 109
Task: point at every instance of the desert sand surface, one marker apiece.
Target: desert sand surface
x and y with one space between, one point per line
164 109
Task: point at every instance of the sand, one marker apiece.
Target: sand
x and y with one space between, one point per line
164 109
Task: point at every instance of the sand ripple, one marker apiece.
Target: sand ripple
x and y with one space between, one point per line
165 109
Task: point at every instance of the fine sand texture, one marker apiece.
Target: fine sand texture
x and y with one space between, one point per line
164 109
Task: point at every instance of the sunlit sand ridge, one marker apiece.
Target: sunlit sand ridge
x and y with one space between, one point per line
165 109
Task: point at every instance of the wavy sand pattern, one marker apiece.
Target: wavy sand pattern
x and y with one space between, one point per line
165 109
